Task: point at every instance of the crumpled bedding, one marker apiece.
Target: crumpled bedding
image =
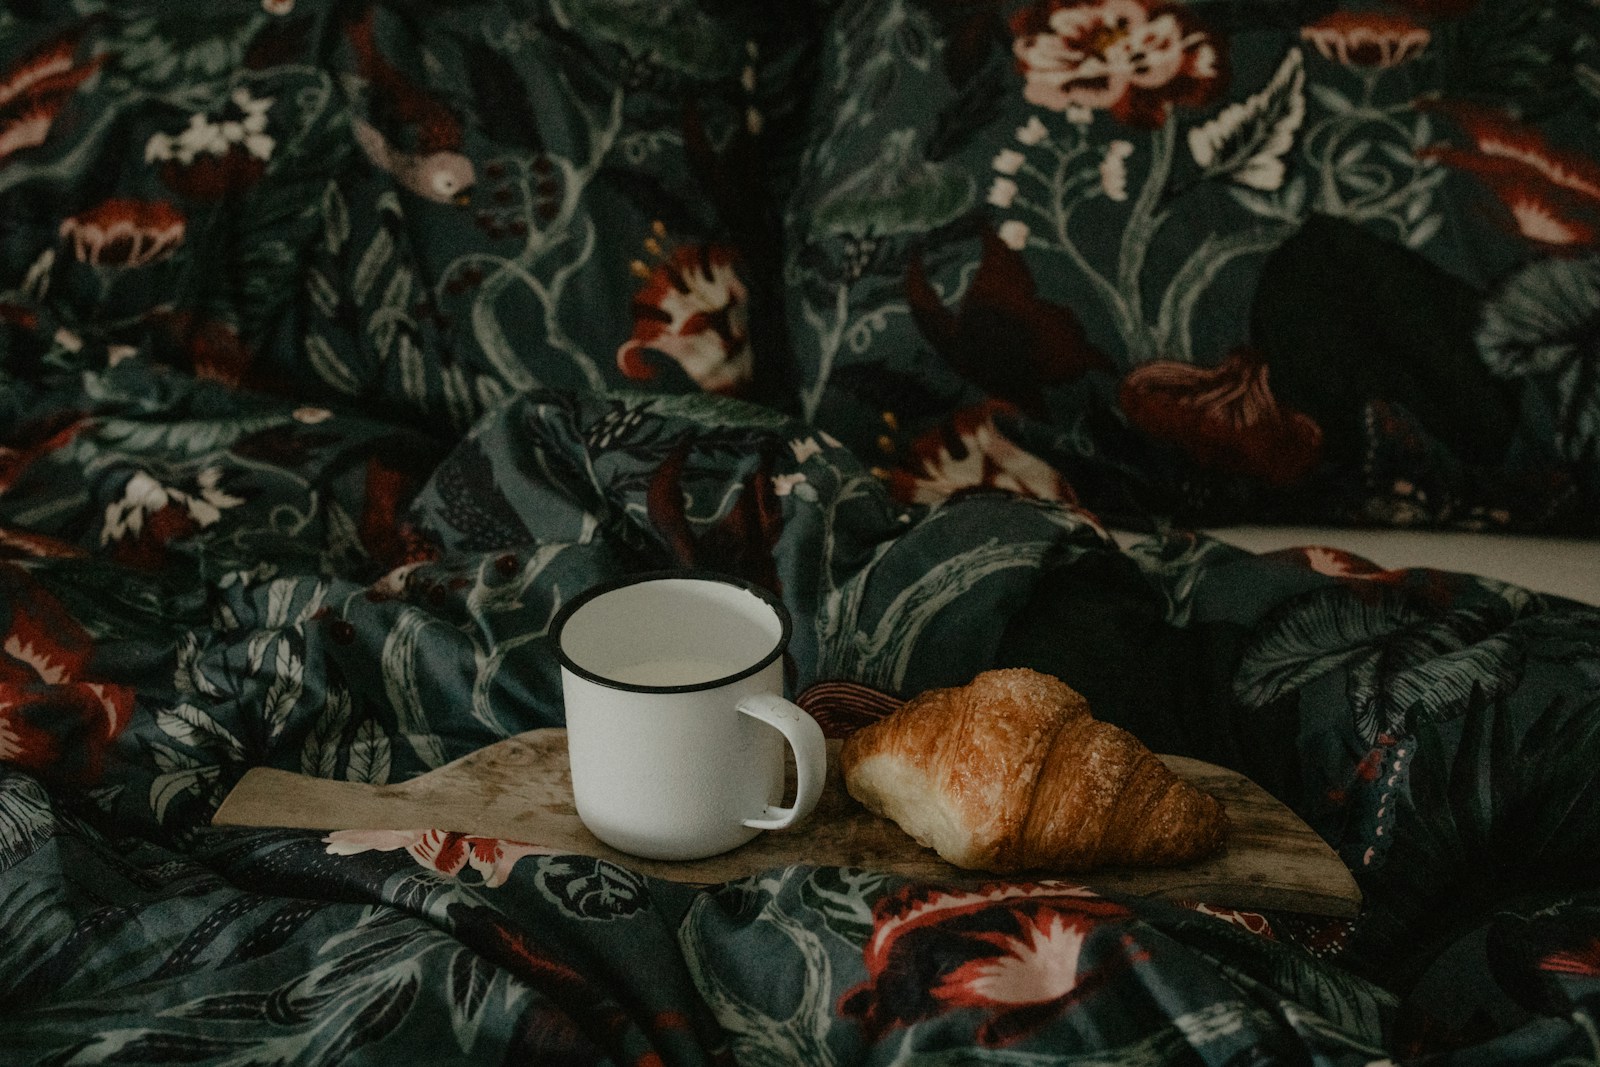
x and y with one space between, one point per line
1438 729
205 567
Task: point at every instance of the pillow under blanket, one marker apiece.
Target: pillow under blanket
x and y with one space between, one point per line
1218 261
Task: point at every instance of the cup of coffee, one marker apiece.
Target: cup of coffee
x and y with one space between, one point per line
676 723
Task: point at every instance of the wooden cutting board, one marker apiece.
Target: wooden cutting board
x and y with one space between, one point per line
519 789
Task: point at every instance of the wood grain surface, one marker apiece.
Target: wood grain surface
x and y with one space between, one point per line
519 789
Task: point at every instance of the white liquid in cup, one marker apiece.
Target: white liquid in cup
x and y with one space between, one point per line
673 671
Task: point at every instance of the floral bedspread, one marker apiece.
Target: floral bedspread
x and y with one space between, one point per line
213 557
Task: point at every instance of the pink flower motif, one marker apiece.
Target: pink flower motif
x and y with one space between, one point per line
125 233
1037 965
971 453
1018 952
1367 38
440 850
695 310
1133 58
1253 921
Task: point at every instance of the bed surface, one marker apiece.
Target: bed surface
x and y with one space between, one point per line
1568 567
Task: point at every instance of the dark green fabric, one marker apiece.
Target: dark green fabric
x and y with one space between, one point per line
280 486
1219 262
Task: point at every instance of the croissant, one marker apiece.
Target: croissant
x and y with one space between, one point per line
1011 772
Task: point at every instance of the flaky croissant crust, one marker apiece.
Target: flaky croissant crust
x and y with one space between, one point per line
1011 772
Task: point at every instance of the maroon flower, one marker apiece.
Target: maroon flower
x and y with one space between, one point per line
1224 417
1004 339
1132 58
740 542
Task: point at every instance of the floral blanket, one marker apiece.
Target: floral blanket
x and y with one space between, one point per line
342 344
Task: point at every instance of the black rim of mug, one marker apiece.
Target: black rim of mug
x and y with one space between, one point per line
573 606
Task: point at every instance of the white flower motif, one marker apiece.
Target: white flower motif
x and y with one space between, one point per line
1247 140
1009 161
311 416
203 137
1038 967
1079 115
254 107
1014 234
1032 132
783 484
260 145
1002 192
805 448
1114 170
144 496
200 137
159 148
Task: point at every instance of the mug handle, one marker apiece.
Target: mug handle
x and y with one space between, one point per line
810 757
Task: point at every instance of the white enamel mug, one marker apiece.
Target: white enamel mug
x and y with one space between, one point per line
676 722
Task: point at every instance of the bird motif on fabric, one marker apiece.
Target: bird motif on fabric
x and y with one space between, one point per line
408 133
35 89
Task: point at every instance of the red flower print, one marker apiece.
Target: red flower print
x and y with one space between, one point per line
54 720
694 309
35 90
1224 417
1018 951
1132 58
440 850
125 233
1580 962
1367 38
1552 196
970 452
